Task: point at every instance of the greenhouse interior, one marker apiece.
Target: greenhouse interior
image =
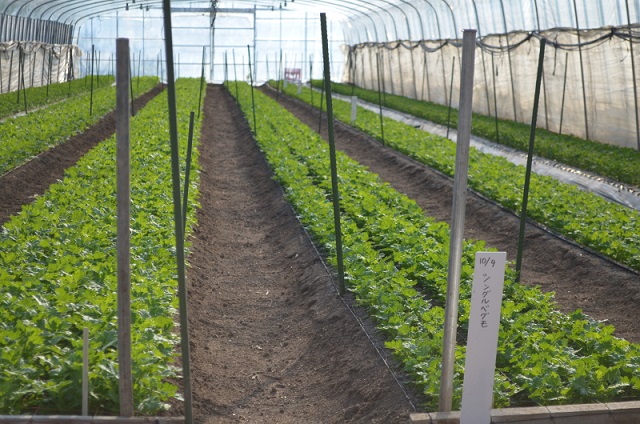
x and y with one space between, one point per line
322 211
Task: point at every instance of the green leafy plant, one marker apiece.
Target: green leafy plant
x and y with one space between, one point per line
26 136
58 275
13 102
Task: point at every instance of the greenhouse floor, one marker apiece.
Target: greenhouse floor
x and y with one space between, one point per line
271 340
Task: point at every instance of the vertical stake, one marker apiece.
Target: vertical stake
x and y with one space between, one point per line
380 96
564 90
85 371
527 178
495 96
457 224
453 70
93 50
332 153
253 100
123 235
235 74
185 199
178 220
201 81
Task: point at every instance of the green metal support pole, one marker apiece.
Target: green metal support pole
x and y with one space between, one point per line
201 81
332 153
564 90
527 179
380 97
178 220
253 99
495 97
93 51
187 174
24 88
235 74
453 69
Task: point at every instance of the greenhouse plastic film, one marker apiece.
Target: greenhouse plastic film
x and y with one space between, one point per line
602 108
42 64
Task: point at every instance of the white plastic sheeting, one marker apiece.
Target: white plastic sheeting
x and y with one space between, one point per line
27 64
588 88
415 20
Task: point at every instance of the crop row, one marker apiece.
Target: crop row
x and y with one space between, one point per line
590 220
13 102
58 273
618 163
28 135
396 264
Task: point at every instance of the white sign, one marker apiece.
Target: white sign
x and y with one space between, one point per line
482 340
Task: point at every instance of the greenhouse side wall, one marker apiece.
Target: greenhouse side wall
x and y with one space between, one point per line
588 89
36 64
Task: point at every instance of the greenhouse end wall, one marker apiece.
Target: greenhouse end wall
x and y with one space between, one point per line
588 86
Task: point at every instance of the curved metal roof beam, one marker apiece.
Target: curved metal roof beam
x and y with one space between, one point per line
417 14
351 9
435 12
95 12
11 3
475 9
406 19
453 19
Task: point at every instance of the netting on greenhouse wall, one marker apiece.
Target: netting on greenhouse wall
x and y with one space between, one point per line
33 64
588 87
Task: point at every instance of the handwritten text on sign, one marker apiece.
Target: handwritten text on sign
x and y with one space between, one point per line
482 340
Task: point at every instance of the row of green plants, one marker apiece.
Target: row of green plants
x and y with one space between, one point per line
590 220
396 261
13 102
58 275
618 163
26 136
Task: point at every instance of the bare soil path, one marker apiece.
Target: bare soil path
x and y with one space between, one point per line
271 340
